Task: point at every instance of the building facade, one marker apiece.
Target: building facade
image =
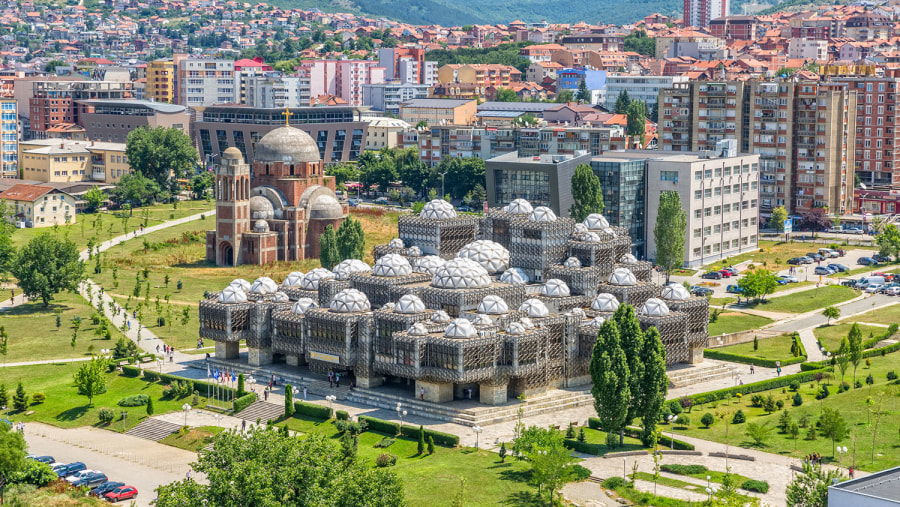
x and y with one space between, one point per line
698 13
205 81
623 183
54 102
65 160
160 81
389 96
645 88
545 180
9 129
439 111
112 120
39 206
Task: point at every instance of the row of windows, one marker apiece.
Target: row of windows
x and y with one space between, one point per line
728 189
726 245
718 172
720 228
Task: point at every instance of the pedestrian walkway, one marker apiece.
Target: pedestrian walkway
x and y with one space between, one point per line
811 344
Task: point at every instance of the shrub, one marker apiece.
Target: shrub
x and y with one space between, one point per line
151 375
430 445
244 402
683 420
857 384
758 361
870 379
342 415
755 486
798 400
595 449
136 400
675 407
312 410
131 371
612 440
35 473
823 393
686 402
580 473
684 469
757 400
707 420
614 482
38 398
779 404
384 443
381 426
385 460
891 375
739 417
106 415
795 385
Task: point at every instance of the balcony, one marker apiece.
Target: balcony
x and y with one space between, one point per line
715 92
98 174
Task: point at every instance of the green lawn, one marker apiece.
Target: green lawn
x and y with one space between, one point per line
887 315
732 322
851 405
775 348
33 335
830 336
808 300
719 302
194 439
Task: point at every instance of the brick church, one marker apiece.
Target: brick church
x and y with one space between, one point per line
276 208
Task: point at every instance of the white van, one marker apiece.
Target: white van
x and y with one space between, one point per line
870 280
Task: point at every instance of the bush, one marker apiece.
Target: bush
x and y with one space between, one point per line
798 400
739 417
381 426
758 361
675 407
151 375
131 371
870 379
384 443
580 473
35 472
794 385
765 385
683 420
664 440
312 410
857 384
891 375
612 440
684 469
244 402
595 449
138 400
614 482
779 404
823 392
755 486
686 402
707 420
385 460
38 398
342 415
106 415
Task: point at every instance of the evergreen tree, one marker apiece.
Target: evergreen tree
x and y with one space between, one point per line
610 376
654 385
421 446
632 339
328 249
4 398
240 386
671 224
586 193
622 102
288 400
854 339
430 445
150 406
20 400
583 95
351 239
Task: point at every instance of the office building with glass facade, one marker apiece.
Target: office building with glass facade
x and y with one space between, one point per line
622 181
544 180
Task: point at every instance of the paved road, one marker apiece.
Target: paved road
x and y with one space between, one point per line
854 307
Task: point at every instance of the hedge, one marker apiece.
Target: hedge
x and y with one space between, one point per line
381 426
131 371
758 361
594 423
755 486
765 385
151 375
575 445
244 402
312 410
631 431
342 415
411 431
891 330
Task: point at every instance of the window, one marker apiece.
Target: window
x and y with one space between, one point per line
668 176
698 175
697 214
707 193
697 233
707 212
697 194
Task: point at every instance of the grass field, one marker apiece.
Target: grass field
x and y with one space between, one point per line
194 439
775 348
732 322
887 315
808 300
851 405
830 336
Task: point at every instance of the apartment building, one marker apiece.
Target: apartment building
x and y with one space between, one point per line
342 78
9 129
645 88
803 131
389 96
39 205
160 84
735 28
112 120
64 160
483 75
593 42
54 102
808 49
407 65
383 133
276 90
698 13
205 81
246 69
438 111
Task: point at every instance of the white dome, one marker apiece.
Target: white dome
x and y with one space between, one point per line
580 229
264 285
597 322
440 317
294 279
605 302
515 328
610 231
417 329
534 308
242 284
414 251
591 237
492 256
428 264
542 214
388 306
519 207
514 276
596 222
572 262
555 288
302 305
261 226
676 293
349 301
483 320
396 243
311 280
460 328
655 307
438 209
281 297
493 305
392 265
628 259
349 267
622 276
409 303
232 294
461 274
526 323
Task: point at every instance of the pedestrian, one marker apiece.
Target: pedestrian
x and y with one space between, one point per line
129 325
157 348
752 371
207 356
266 395
243 425
778 371
304 394
422 393
188 475
330 379
851 472
337 379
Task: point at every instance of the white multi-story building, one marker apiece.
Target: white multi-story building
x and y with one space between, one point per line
342 78
277 91
808 49
9 129
389 96
645 88
204 82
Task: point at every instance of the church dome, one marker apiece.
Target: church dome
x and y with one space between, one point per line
409 304
461 274
605 302
391 265
534 308
349 301
261 226
349 267
311 280
493 305
438 209
302 305
261 208
232 153
286 144
492 256
326 207
232 294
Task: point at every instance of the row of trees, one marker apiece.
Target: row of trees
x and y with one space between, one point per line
347 243
628 370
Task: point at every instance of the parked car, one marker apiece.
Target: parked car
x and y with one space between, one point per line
835 229
463 208
893 291
853 230
867 261
815 256
90 480
121 493
849 283
841 252
882 258
701 291
725 273
839 268
78 475
105 488
888 286
806 259
381 200
733 271
353 202
43 459
823 270
788 278
734 289
69 469
712 275
795 261
872 288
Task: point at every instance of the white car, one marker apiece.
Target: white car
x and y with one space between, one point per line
789 278
892 291
78 475
873 288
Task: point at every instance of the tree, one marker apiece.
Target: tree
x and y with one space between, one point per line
4 398
502 452
266 468
136 190
758 283
288 400
831 312
328 248
90 379
201 184
889 241
854 339
758 432
7 252
707 420
842 357
150 405
776 220
833 426
638 42
810 489
351 239
46 266
586 193
506 95
95 197
564 96
654 385
622 102
51 66
671 224
610 376
631 339
420 447
816 219
20 400
12 452
160 153
551 465
636 119
582 95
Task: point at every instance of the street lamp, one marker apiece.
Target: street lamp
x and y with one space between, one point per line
477 430
841 450
624 463
672 419
442 184
330 399
186 408
707 481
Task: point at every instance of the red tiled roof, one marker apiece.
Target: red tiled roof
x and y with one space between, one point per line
23 192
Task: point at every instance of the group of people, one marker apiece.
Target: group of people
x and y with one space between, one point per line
199 343
334 379
167 351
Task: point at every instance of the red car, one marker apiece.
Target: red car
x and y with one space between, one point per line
726 274
121 493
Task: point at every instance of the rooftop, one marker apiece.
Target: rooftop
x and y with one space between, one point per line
156 106
22 192
884 485
525 107
435 103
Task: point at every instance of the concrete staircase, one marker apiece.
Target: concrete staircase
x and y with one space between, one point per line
153 429
697 374
263 374
262 410
553 401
